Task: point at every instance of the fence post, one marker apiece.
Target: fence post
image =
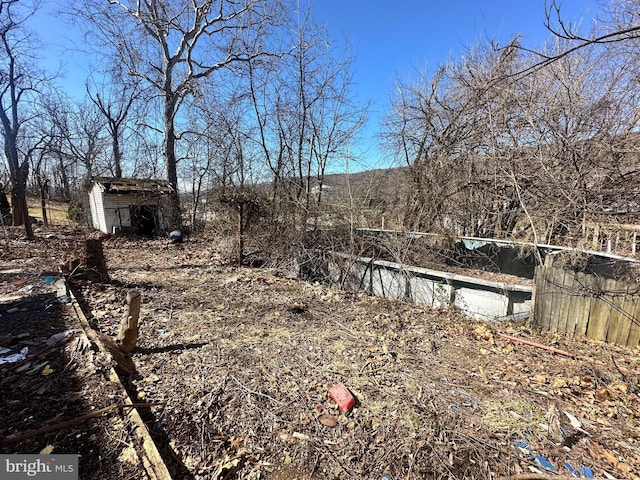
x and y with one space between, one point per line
595 244
128 333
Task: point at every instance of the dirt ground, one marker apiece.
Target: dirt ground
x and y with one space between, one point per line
235 365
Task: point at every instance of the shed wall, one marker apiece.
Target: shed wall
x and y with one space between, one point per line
116 211
109 211
97 212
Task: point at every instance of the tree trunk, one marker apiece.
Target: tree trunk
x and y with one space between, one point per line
94 258
19 199
117 156
44 187
64 180
171 163
241 220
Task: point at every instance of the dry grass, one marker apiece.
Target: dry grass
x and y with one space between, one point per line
57 212
246 357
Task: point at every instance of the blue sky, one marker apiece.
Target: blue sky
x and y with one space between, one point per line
389 40
393 39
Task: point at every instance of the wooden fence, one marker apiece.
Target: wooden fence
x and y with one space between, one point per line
612 237
587 305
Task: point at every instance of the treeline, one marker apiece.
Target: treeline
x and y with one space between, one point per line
214 96
246 106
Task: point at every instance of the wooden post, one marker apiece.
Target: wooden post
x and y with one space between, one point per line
548 260
128 334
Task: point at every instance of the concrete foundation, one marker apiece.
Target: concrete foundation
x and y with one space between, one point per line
476 297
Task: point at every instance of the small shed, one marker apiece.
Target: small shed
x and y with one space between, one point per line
130 205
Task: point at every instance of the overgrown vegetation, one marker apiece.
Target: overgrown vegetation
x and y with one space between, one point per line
505 141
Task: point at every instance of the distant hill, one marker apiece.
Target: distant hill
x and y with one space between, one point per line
380 184
375 197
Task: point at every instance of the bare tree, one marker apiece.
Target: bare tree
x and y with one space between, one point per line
335 120
431 130
82 128
174 45
209 146
54 110
304 116
620 26
39 170
114 102
19 83
491 152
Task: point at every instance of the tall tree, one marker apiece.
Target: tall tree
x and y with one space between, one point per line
620 26
175 44
80 127
18 85
54 110
114 102
303 113
495 153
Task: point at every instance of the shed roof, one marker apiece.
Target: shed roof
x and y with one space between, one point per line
133 185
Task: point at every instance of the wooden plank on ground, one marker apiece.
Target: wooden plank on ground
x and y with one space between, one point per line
152 461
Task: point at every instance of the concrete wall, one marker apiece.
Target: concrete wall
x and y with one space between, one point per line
476 297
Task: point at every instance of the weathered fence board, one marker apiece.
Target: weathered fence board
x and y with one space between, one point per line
583 304
634 333
558 282
549 292
578 304
566 313
617 332
600 315
542 297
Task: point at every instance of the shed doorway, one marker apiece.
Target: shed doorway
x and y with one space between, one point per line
143 219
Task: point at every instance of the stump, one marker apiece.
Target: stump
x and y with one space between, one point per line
94 257
128 333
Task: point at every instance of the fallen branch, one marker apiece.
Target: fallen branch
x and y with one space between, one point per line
569 354
75 421
537 345
538 476
253 391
